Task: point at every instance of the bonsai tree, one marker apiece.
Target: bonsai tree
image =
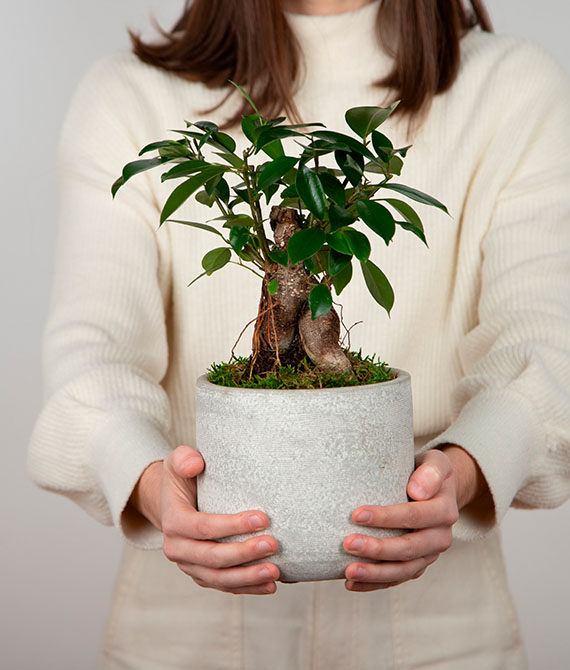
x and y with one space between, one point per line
305 247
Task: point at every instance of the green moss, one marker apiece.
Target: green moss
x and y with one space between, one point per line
304 376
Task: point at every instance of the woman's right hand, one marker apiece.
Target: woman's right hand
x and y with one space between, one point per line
166 495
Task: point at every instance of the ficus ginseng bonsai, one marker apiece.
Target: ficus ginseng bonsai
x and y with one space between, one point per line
304 247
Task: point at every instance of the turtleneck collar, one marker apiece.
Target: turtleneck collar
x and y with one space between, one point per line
340 45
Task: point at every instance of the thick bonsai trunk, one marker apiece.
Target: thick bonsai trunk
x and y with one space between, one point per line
284 331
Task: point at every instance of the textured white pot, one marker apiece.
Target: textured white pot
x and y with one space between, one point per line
306 458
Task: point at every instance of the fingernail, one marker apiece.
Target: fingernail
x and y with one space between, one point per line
417 490
357 544
363 517
192 461
256 522
265 574
361 572
264 547
433 475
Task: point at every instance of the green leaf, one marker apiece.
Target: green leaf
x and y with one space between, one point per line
290 192
382 146
342 279
304 244
377 168
176 151
275 170
403 150
413 220
207 126
182 192
116 186
350 143
338 242
272 286
378 285
188 133
289 202
349 166
201 226
270 191
136 167
274 149
310 266
242 194
337 262
311 191
205 198
416 195
358 244
339 217
320 300
279 256
153 146
232 159
413 229
269 135
251 124
377 218
184 169
239 237
321 259
212 183
363 120
202 274
232 220
245 95
333 188
395 165
224 140
216 259
222 191
276 121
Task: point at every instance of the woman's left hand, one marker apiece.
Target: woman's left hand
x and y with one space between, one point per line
436 500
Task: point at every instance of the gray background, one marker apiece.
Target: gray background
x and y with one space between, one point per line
57 564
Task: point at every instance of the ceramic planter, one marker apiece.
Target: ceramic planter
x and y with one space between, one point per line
306 458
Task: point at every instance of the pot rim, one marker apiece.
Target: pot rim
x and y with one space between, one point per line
402 377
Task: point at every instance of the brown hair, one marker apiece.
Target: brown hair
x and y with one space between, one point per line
252 43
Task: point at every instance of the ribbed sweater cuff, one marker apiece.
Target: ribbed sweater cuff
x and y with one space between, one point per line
121 449
500 430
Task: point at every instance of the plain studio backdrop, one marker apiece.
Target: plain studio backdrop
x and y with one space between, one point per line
57 564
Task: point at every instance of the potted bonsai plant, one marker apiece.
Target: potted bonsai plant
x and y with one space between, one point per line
303 429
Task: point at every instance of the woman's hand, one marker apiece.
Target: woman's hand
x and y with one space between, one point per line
166 495
444 481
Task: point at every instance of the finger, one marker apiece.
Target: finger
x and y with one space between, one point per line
406 547
261 590
184 462
232 578
203 526
439 511
219 554
385 573
432 468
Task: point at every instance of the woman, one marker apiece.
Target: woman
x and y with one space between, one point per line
482 323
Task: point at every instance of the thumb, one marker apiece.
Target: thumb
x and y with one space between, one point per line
427 478
185 462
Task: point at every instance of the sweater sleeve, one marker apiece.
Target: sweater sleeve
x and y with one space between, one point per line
106 415
512 406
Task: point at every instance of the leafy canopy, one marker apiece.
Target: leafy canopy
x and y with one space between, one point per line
329 199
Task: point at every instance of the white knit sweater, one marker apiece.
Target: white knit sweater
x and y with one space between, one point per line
481 319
